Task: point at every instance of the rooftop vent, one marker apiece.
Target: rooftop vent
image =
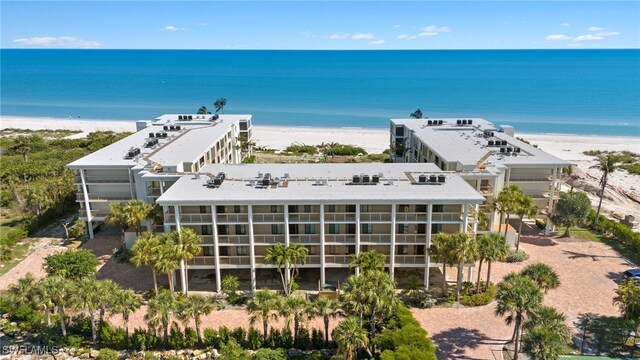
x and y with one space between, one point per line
217 181
356 179
422 178
215 117
152 134
441 178
504 142
164 135
179 117
151 142
429 122
464 122
165 127
470 122
433 178
375 179
178 127
286 175
190 117
503 149
491 142
132 153
459 122
509 149
517 150
365 179
440 122
171 128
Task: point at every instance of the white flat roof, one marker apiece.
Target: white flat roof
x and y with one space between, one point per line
468 145
301 185
194 137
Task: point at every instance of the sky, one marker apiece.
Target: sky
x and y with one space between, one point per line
319 25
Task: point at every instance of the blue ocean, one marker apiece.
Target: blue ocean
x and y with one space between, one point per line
537 91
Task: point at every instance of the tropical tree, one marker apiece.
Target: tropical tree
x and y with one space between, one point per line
203 110
413 287
166 259
543 275
607 164
547 334
86 297
491 247
442 248
517 296
160 311
350 336
367 261
509 198
326 309
125 302
107 288
194 307
464 249
138 211
263 307
230 285
286 259
71 264
22 146
220 104
144 252
572 209
416 114
59 291
119 216
187 244
628 299
300 309
29 291
525 207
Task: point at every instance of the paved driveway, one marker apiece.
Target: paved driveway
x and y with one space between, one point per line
588 274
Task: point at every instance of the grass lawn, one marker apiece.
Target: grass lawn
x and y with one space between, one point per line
584 357
586 234
19 253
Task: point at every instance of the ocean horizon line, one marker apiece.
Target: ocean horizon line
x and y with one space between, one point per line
342 50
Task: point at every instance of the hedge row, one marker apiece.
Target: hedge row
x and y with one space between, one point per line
617 231
408 340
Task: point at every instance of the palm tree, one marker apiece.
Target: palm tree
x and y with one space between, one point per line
416 114
525 206
628 299
165 260
300 309
263 307
517 295
286 258
413 287
22 146
230 285
607 164
547 334
442 246
125 302
203 110
160 310
144 253
508 199
463 249
543 275
106 290
220 104
86 297
119 216
138 211
59 291
194 307
187 244
350 336
29 291
494 248
327 309
367 261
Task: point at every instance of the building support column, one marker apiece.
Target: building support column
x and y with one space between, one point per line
550 226
507 177
357 235
183 276
252 250
475 224
216 250
427 254
470 274
392 250
87 207
322 250
465 225
287 237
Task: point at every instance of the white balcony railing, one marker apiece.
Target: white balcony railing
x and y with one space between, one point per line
304 217
411 217
235 260
366 217
447 216
340 238
304 238
189 218
268 217
268 239
233 239
337 259
375 238
410 259
411 238
341 217
233 218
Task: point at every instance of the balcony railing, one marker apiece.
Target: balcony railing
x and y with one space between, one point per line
337 259
410 259
235 260
233 239
530 178
106 197
365 217
375 238
447 216
411 217
342 217
304 238
233 218
486 190
268 239
304 217
207 239
94 213
202 261
100 180
411 238
189 218
340 238
153 192
268 217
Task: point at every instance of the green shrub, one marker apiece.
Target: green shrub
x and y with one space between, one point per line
301 149
480 299
81 325
233 351
73 341
108 354
239 334
304 340
342 150
314 355
224 334
211 338
254 339
517 256
408 340
176 338
317 339
270 354
190 338
11 236
286 338
115 338
274 339
142 340
72 264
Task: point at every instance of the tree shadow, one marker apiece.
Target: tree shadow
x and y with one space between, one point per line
615 276
538 241
453 343
594 257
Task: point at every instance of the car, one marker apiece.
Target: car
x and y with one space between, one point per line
631 274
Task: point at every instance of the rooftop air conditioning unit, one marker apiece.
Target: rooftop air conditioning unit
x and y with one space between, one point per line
365 178
433 178
440 122
422 178
441 178
356 179
470 122
376 179
458 122
179 117
152 134
429 122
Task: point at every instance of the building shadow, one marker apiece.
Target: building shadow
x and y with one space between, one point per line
538 241
453 343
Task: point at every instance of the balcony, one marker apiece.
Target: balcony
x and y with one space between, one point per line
189 218
375 238
517 178
486 190
202 261
304 217
339 217
417 217
410 259
268 217
233 218
153 192
447 217
235 260
305 238
100 180
268 239
340 238
104 197
233 239
337 259
411 238
94 213
375 217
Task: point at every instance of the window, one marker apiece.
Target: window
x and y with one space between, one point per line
293 208
399 130
419 249
312 250
351 249
309 228
205 210
422 228
274 209
276 229
351 228
421 208
202 161
438 208
222 229
220 209
241 250
402 250
293 229
241 229
403 228
436 228
243 125
237 209
207 251
331 208
334 228
307 208
351 208
366 228
224 251
403 208
206 230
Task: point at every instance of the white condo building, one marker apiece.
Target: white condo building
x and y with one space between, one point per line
489 158
145 164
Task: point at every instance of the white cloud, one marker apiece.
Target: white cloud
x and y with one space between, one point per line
588 37
58 42
376 42
433 30
338 36
595 28
565 24
203 24
361 36
170 28
406 37
607 33
557 37
396 26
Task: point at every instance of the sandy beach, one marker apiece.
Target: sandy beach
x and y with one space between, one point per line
567 147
